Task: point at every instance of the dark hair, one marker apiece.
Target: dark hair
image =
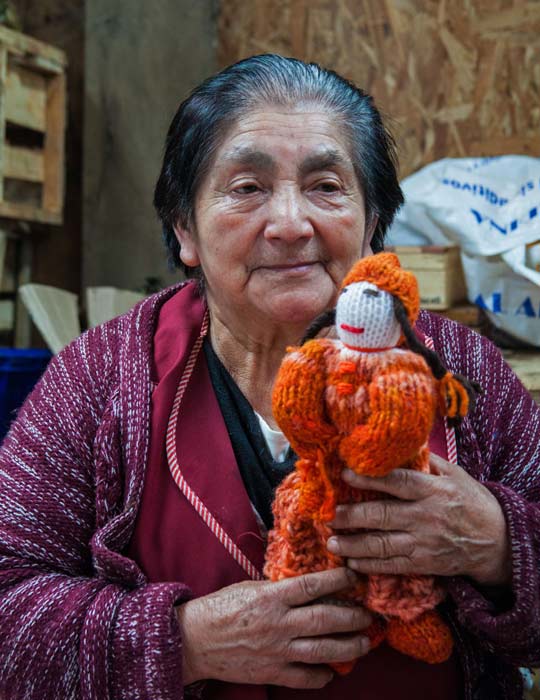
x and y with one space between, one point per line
205 117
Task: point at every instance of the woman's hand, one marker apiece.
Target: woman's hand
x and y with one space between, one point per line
262 632
445 523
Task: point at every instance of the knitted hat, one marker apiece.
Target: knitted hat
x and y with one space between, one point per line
385 271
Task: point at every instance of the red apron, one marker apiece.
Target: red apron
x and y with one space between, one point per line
173 541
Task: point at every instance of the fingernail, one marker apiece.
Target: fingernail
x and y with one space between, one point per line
349 474
333 545
352 575
339 510
368 618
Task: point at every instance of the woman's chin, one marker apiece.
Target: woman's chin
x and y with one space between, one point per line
297 310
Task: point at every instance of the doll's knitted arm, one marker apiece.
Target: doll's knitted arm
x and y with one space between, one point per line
454 399
298 400
401 410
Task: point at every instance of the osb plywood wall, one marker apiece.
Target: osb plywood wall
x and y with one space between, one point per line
458 77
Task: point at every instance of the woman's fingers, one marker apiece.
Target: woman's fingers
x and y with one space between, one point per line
307 588
394 566
303 676
327 619
327 650
406 484
380 545
375 515
444 523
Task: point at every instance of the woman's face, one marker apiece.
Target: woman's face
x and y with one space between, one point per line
279 219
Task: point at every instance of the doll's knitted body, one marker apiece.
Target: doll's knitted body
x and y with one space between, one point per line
363 403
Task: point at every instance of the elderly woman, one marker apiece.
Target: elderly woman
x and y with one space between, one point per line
137 480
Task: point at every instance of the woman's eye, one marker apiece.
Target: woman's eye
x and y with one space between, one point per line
246 189
328 187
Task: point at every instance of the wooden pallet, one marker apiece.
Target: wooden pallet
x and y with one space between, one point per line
32 125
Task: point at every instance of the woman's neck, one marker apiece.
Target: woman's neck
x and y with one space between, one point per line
252 359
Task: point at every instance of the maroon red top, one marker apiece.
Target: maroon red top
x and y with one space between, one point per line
78 617
382 675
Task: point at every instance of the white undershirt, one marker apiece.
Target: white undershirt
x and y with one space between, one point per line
276 441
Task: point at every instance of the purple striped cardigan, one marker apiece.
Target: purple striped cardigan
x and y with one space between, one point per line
77 617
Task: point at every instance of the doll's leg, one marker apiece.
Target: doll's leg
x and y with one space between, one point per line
414 627
376 633
296 545
402 596
427 638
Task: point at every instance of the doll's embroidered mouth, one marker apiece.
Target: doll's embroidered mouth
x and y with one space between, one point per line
351 329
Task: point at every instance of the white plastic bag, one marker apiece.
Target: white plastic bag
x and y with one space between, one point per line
490 207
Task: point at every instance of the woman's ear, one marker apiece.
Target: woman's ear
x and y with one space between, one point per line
370 230
188 245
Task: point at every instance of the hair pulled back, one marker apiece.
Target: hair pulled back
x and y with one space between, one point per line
203 120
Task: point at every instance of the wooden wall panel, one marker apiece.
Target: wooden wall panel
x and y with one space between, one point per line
458 77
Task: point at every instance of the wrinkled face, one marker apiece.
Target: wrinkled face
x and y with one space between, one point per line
365 317
279 219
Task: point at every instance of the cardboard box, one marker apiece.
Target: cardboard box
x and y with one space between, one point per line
438 271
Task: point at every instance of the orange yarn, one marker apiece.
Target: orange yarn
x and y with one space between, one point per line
385 271
454 400
372 412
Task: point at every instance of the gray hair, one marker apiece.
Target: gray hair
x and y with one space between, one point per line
206 116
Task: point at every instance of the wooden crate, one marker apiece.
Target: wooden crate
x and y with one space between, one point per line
438 271
32 125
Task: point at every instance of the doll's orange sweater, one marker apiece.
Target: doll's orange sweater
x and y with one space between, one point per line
372 412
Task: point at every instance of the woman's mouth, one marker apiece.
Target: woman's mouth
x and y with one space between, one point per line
291 268
351 329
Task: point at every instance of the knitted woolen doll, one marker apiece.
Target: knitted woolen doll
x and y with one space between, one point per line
367 402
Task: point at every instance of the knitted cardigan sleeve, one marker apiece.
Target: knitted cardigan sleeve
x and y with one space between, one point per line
499 444
77 619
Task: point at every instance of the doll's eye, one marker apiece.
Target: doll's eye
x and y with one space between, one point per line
345 289
371 292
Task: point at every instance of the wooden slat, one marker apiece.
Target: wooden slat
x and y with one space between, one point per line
27 212
37 63
428 258
26 98
3 69
23 164
53 188
24 45
526 364
467 314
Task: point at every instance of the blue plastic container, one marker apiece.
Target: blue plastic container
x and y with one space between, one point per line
19 372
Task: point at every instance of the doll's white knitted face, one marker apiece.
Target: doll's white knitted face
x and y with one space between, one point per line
365 317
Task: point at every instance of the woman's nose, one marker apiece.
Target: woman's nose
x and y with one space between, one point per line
287 216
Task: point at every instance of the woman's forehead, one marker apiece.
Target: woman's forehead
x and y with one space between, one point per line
319 157
313 136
